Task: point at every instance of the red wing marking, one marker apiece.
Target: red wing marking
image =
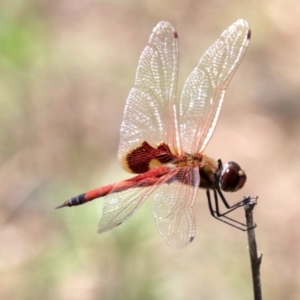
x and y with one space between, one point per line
150 111
145 157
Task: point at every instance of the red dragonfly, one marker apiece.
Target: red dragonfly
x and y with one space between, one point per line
163 141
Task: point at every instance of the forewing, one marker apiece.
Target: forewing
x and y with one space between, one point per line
205 88
173 208
150 112
119 206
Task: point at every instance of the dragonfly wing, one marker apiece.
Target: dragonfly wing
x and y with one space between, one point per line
173 208
205 88
119 206
150 112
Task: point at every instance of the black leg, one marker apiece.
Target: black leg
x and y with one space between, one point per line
223 216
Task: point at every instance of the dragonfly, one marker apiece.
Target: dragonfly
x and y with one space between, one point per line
163 140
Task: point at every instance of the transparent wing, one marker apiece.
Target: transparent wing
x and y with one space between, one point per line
205 88
150 113
119 206
173 208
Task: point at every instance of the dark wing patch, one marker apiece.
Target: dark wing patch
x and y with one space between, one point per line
145 157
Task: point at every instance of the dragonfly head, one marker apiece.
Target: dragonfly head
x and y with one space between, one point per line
232 177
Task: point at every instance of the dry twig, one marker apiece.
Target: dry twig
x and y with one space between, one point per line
254 257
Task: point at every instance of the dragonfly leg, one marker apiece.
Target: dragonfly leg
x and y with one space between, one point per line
215 212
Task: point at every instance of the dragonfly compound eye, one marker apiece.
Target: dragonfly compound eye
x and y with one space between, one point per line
232 178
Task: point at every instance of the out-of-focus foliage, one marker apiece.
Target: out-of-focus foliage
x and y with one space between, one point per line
66 68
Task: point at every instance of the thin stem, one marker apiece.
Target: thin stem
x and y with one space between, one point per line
254 258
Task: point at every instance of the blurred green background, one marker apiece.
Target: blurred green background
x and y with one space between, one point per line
66 68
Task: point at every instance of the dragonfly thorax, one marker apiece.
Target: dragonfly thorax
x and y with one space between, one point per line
189 160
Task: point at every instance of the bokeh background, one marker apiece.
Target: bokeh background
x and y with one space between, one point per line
66 68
